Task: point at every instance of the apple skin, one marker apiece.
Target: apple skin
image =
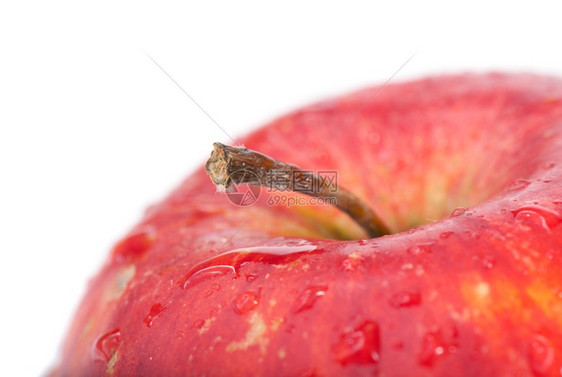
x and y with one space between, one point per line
201 287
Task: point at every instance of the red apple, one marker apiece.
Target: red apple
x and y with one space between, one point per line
466 171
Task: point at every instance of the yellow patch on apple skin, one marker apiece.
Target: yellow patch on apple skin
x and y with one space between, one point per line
119 283
477 294
276 323
547 299
111 363
206 326
482 290
254 336
491 300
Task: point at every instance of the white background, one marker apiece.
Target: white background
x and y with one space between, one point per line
92 130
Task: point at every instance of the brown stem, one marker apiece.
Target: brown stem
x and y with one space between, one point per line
235 165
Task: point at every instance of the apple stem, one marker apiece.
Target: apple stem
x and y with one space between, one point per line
230 165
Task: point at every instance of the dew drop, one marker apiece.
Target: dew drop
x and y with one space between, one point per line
351 262
537 216
308 297
206 273
420 249
438 343
250 277
215 287
106 345
403 299
541 355
519 184
445 235
134 245
488 262
458 211
198 323
291 329
229 263
154 312
428 351
359 346
347 265
246 302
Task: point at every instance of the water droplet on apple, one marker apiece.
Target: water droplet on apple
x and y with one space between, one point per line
229 263
359 346
488 262
233 259
445 235
198 323
347 265
134 245
105 346
437 343
291 329
541 355
250 277
206 273
154 312
246 302
430 349
351 262
519 184
537 216
215 287
420 249
557 202
549 165
458 211
403 299
308 297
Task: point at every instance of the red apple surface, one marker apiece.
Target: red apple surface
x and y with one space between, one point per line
465 170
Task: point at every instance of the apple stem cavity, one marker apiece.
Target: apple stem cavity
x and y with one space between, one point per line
229 166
